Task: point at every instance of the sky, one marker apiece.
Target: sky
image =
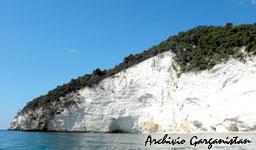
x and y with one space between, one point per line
46 43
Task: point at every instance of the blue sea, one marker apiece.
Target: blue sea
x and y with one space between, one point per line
17 140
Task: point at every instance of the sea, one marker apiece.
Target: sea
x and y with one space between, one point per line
18 140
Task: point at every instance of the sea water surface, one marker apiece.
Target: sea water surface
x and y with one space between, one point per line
17 140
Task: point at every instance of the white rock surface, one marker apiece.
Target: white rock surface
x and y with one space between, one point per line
149 97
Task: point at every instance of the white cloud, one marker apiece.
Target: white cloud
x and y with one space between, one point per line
253 2
74 51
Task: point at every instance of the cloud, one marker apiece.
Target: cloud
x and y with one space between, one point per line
242 2
253 2
73 51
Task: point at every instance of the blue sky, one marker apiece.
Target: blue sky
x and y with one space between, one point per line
46 43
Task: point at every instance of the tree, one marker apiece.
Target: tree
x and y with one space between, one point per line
229 25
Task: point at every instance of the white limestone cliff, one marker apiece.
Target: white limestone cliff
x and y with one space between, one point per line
150 97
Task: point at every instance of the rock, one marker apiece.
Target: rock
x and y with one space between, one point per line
150 97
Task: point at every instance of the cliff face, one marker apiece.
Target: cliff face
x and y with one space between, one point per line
150 97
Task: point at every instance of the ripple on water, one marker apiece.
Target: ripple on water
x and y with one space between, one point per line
12 140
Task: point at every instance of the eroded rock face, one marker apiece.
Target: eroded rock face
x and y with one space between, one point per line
150 97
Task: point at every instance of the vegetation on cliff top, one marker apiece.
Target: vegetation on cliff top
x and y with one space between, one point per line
197 49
